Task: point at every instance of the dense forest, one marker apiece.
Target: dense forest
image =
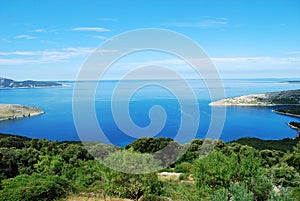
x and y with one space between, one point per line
32 169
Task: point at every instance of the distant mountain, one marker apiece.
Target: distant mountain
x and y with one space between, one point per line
8 83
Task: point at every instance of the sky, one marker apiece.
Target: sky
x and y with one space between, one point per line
51 40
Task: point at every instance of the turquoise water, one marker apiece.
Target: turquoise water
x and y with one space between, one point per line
58 124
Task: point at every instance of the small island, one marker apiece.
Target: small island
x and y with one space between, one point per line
9 83
289 97
12 111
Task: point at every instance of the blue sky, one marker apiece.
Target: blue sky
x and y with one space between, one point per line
50 40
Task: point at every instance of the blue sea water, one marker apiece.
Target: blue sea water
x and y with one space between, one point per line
57 123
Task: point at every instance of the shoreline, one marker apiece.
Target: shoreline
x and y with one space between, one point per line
14 111
286 113
63 85
269 99
293 127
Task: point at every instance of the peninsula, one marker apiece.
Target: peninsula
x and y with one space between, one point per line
11 111
289 97
9 83
291 111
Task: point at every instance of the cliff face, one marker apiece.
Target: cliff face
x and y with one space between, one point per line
290 97
10 111
8 83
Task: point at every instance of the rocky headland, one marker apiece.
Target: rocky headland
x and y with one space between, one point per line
289 97
12 111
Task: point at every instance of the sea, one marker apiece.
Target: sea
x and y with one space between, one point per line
58 103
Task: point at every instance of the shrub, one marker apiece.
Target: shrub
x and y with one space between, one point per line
34 187
284 175
184 167
240 193
220 195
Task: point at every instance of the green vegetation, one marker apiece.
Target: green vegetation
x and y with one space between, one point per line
246 169
283 145
289 110
295 125
292 111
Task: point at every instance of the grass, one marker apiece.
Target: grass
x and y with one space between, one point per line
91 198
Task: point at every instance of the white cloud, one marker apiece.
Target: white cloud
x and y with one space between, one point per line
39 30
16 61
97 29
262 60
47 56
23 36
20 53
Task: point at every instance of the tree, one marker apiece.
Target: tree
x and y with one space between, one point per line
123 184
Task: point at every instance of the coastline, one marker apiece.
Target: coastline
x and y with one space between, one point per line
293 127
280 98
286 113
13 111
38 87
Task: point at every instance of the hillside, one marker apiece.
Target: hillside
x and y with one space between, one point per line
11 111
289 97
8 83
33 169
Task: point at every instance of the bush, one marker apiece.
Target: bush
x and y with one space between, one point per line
284 195
284 175
240 193
184 167
34 187
296 193
220 195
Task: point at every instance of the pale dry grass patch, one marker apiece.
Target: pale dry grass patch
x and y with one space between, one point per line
85 198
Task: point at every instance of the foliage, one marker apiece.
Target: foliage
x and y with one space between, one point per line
283 145
149 145
283 195
32 169
184 167
295 124
132 185
221 195
34 187
284 175
218 170
240 193
181 191
291 110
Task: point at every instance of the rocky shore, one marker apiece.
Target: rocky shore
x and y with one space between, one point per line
290 97
11 111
